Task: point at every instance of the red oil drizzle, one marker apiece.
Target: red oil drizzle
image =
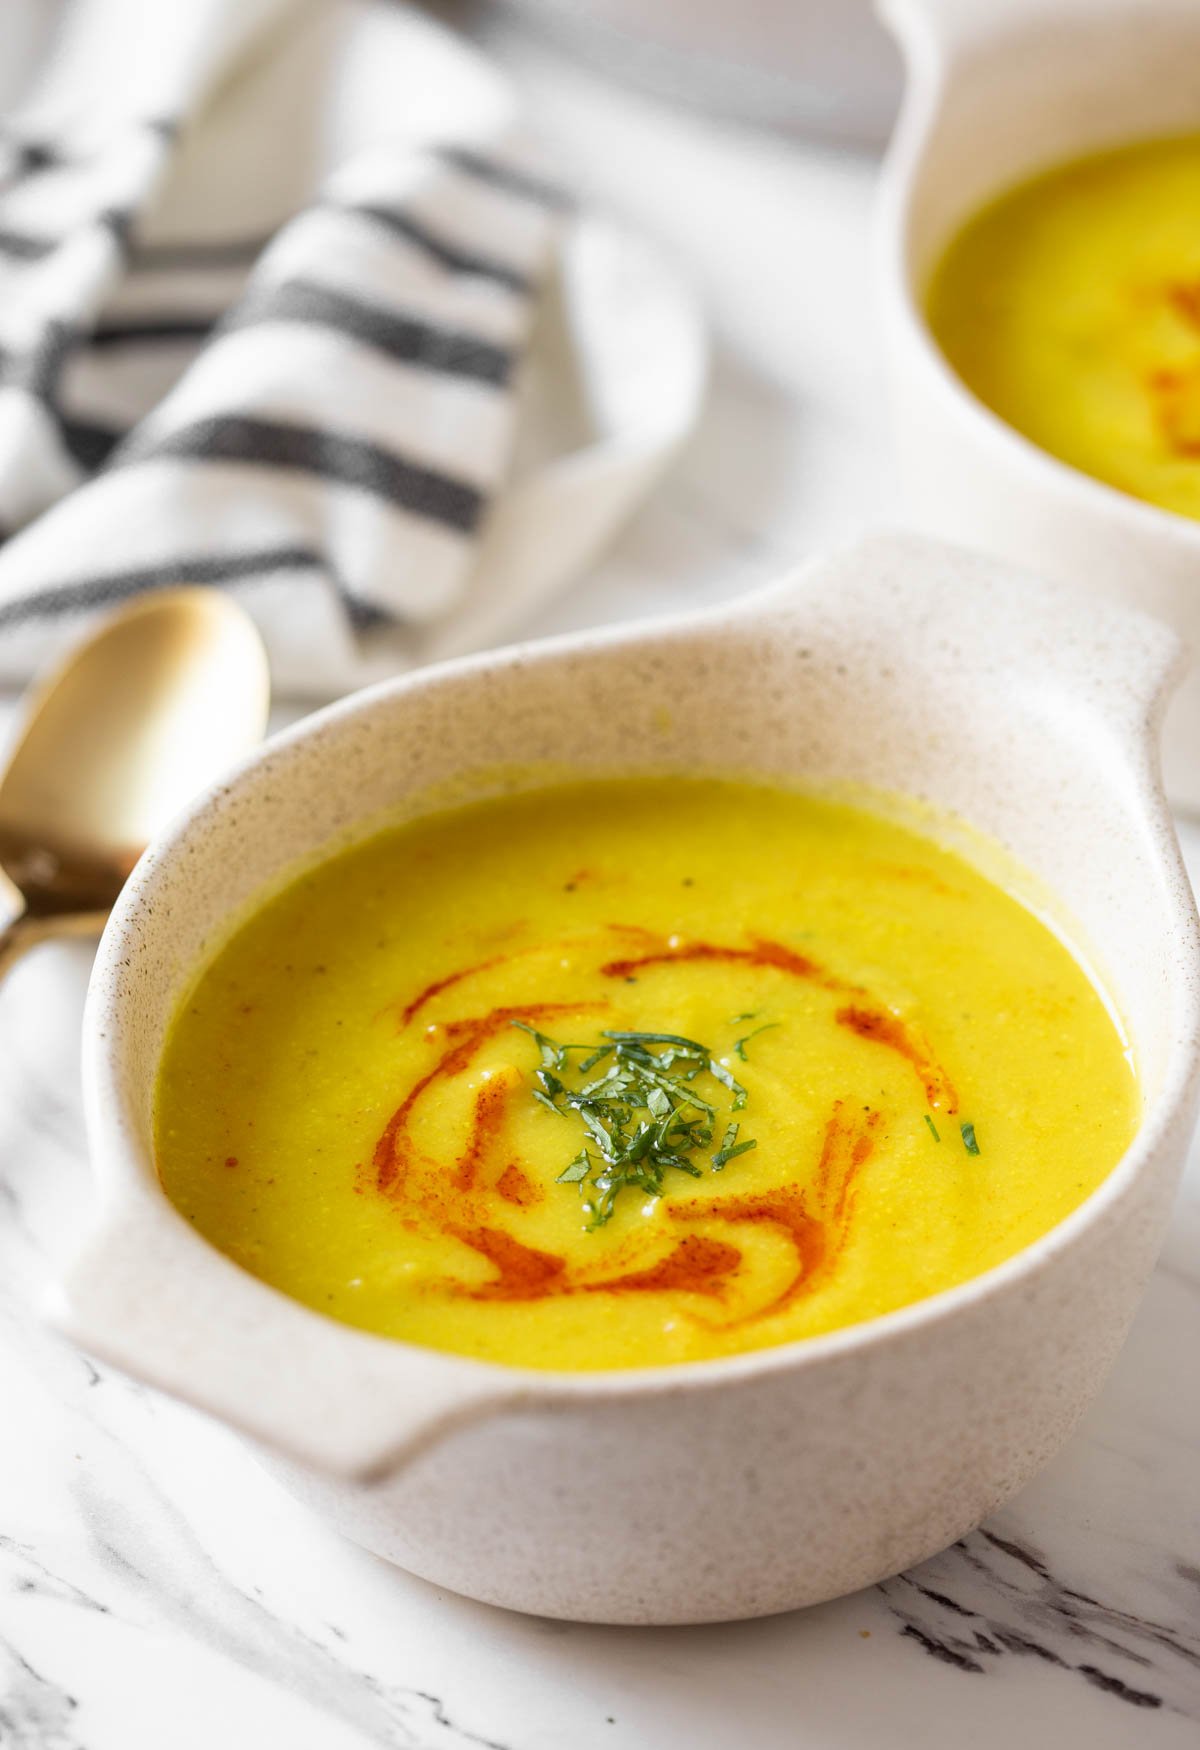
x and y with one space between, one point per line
516 1188
1184 296
412 1009
440 984
817 1237
881 1027
870 1022
486 1125
700 1264
522 1272
468 1036
785 1209
815 1218
1175 391
847 1147
1175 400
762 953
695 1266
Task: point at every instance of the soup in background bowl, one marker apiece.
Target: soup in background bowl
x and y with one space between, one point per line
1070 305
997 97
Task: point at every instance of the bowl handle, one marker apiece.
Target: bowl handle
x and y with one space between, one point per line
985 623
939 35
151 1297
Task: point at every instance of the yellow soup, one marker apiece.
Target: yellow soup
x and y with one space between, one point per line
636 1071
1071 307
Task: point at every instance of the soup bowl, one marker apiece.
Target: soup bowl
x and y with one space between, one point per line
994 95
746 1485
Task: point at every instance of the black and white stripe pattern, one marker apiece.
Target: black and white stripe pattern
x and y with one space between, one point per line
323 411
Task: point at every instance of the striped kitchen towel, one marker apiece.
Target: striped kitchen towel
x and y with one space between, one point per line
285 308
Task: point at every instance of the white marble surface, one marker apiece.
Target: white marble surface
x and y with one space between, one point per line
158 1593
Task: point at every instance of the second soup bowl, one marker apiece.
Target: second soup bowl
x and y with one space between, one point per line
995 95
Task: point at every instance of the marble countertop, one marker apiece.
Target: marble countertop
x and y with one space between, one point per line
158 1593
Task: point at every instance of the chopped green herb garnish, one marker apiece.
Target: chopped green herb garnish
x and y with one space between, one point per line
690 1045
969 1142
933 1127
739 1045
729 1081
731 1147
644 1115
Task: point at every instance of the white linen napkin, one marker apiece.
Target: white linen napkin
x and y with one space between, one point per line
287 307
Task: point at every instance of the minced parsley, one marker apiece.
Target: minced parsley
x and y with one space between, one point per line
648 1113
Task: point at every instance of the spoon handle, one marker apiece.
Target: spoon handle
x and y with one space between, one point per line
26 931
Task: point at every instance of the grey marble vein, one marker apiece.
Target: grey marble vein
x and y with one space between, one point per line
35 1714
152 1554
31 1575
992 1597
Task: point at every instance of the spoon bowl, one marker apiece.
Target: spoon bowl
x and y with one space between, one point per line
163 696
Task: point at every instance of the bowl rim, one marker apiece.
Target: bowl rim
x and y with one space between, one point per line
122 1163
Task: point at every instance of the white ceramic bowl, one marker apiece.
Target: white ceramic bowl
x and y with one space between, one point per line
996 93
776 1478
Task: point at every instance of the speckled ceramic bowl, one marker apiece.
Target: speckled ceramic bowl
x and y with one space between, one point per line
788 1475
995 94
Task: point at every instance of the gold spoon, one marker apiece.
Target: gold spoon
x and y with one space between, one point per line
155 704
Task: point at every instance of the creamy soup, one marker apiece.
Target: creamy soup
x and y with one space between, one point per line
636 1072
1071 307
